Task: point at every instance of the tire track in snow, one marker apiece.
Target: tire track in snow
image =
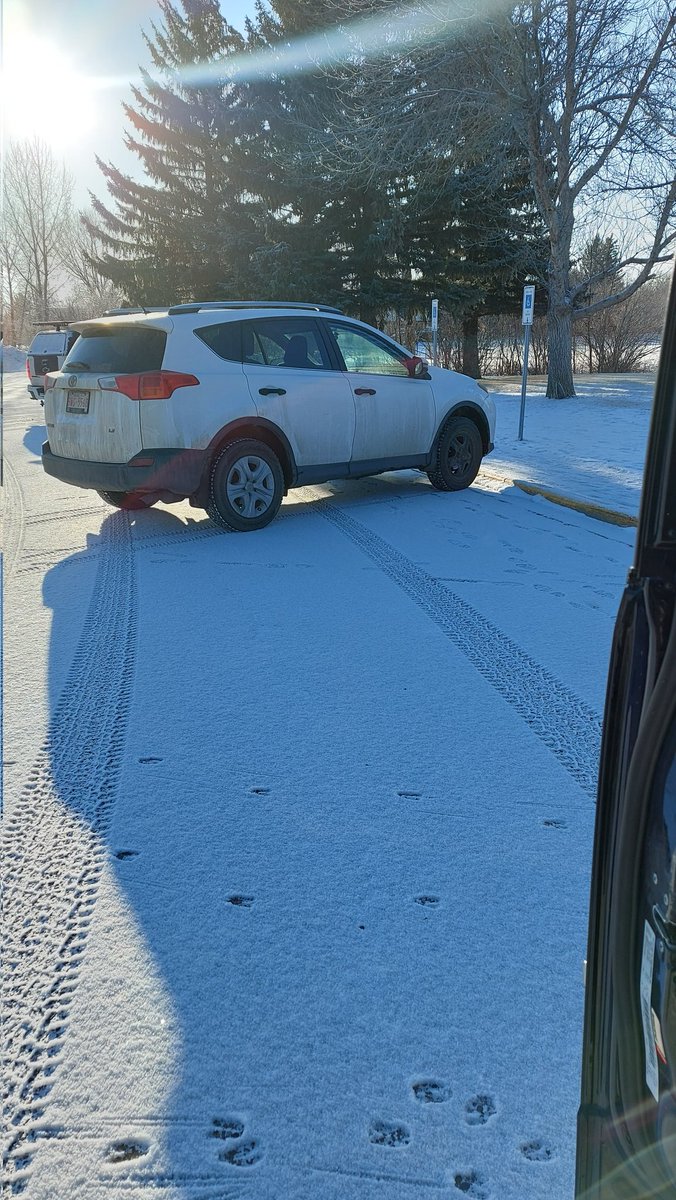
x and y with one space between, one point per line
566 725
13 525
54 850
66 514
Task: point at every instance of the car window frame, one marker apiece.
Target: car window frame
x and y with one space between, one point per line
373 335
656 534
258 323
197 330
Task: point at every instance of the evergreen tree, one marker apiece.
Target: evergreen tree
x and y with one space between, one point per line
459 223
260 189
188 229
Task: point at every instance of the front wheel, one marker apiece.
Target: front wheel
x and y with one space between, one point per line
458 457
130 501
246 487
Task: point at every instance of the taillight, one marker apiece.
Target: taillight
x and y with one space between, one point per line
49 382
149 385
28 367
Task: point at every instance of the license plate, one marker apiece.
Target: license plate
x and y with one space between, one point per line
77 402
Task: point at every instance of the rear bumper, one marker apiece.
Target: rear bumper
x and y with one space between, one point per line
176 471
38 393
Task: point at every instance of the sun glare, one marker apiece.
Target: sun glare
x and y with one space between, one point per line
44 95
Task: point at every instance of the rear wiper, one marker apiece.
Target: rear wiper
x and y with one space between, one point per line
76 366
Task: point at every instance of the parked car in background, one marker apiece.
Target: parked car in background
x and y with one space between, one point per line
46 353
232 404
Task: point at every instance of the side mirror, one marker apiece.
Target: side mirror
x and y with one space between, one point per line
416 367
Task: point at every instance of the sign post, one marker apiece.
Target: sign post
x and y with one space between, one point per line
435 327
526 321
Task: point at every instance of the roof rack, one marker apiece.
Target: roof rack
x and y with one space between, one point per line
49 325
121 312
199 305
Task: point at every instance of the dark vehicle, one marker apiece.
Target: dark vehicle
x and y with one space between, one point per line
626 1145
46 353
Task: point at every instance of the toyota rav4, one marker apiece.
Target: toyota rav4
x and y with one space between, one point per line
232 404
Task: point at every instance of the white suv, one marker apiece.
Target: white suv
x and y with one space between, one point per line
231 404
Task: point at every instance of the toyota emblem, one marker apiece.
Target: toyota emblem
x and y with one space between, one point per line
72 380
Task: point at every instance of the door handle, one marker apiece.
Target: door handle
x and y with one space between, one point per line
272 391
364 391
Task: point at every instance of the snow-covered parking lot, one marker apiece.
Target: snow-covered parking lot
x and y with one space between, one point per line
299 825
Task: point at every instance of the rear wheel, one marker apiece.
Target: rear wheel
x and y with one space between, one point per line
131 501
246 486
458 458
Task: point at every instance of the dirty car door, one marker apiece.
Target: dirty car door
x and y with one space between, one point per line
295 385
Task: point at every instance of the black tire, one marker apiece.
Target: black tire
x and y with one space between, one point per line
246 486
458 456
127 500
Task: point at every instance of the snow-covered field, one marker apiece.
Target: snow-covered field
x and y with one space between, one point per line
298 827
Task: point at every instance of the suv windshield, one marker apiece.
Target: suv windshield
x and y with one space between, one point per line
122 350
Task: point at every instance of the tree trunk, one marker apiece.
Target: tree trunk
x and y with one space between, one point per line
470 347
559 352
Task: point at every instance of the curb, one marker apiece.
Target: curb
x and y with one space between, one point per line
597 511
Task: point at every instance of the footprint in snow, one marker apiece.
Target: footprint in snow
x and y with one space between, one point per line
245 1154
537 1150
241 901
226 1128
554 823
410 795
426 901
122 854
479 1110
385 1133
259 791
125 1151
150 760
472 1184
431 1091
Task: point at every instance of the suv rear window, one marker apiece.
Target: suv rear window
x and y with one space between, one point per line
49 342
120 351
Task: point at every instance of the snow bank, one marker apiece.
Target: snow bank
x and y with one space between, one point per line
12 358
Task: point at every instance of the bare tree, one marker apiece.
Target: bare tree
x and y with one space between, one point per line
625 337
93 292
587 86
583 88
37 223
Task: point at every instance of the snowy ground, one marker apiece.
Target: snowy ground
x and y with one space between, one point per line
299 831
590 448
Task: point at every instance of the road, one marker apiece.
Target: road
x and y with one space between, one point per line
297 838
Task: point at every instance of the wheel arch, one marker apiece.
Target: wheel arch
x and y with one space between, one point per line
263 431
466 408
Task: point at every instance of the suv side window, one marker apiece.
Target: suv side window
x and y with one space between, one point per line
225 339
289 342
366 354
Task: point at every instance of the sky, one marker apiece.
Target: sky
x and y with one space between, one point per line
67 69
